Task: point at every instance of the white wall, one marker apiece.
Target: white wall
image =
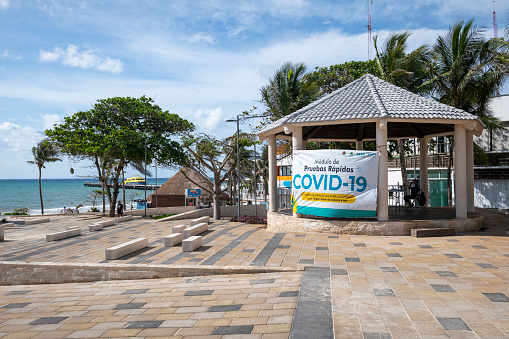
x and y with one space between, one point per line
491 193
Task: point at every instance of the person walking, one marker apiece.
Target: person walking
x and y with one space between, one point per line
414 189
120 209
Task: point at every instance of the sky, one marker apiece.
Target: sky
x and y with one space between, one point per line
203 60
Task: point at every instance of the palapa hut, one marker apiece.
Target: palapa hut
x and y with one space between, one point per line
172 193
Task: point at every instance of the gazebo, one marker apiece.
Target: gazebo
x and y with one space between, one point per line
372 109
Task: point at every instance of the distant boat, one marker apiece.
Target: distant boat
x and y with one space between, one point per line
135 181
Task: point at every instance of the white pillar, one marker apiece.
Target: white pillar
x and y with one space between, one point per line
272 173
470 171
460 170
383 180
359 145
297 145
423 150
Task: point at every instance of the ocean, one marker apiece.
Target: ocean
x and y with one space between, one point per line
57 193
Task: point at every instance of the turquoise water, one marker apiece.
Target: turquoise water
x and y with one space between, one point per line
56 193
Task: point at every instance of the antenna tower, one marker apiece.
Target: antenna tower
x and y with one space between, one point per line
495 26
369 29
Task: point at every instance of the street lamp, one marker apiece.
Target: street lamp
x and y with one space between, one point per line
238 156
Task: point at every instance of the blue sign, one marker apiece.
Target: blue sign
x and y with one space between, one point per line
141 205
193 192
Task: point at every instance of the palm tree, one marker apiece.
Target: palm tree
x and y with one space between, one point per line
407 71
43 152
466 74
288 91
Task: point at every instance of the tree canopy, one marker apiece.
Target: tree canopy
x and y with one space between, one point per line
121 131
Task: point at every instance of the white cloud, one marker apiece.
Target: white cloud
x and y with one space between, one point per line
16 138
82 59
49 120
208 120
202 37
4 4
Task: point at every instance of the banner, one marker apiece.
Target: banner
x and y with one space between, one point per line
335 183
193 192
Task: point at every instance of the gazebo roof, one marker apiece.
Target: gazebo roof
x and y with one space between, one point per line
336 116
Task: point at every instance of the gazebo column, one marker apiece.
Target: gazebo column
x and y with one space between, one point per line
470 171
460 171
423 150
297 144
383 180
359 145
272 173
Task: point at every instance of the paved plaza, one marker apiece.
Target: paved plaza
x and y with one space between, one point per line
322 285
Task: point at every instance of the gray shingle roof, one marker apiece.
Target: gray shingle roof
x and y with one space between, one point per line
370 98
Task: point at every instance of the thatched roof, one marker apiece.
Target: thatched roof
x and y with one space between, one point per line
177 184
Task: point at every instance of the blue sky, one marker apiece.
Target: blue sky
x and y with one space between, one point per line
204 60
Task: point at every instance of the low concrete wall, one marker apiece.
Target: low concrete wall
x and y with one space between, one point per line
226 212
23 273
160 210
277 222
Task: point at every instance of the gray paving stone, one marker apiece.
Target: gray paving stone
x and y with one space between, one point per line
224 308
50 320
288 294
383 292
497 297
306 261
395 243
261 281
197 280
229 330
479 247
130 306
350 259
485 265
199 292
18 292
338 271
138 291
393 255
453 255
322 248
442 288
359 245
425 246
453 324
389 269
144 324
452 240
16 305
445 274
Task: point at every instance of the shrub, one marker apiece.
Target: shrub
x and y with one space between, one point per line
155 217
251 220
19 211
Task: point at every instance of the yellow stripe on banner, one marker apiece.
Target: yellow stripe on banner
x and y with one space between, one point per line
329 197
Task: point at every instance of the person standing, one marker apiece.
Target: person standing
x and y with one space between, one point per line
120 209
414 189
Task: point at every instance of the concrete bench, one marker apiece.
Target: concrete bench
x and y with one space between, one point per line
2 232
95 227
126 248
36 221
192 243
201 220
172 239
432 232
195 230
63 234
7 224
178 229
126 218
72 227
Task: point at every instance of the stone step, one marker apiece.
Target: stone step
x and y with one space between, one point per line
432 232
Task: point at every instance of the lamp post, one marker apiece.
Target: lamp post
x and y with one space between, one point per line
255 181
238 163
145 215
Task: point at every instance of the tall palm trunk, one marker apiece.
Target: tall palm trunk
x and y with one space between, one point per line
40 189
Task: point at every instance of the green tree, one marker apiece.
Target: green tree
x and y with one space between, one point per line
465 74
288 90
43 152
207 154
118 132
404 70
332 78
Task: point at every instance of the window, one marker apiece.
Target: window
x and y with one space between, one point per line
285 171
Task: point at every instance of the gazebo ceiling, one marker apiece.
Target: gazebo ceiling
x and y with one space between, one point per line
367 131
350 113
